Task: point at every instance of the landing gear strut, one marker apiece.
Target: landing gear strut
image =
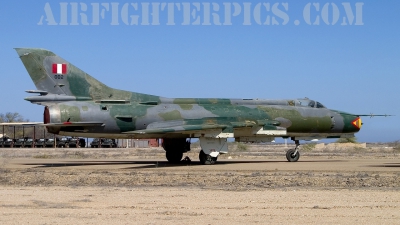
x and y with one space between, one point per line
206 159
293 155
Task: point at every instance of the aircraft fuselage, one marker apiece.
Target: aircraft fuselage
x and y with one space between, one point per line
119 118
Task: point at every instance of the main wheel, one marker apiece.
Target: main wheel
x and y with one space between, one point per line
291 157
206 159
173 156
202 157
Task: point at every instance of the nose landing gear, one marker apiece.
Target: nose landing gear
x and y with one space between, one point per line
293 155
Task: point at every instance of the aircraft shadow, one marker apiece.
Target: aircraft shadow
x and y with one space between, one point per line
157 164
393 165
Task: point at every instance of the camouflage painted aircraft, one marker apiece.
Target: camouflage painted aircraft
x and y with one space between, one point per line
76 104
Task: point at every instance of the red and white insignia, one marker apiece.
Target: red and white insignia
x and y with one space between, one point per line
59 68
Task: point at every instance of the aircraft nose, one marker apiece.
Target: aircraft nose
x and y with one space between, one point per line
352 123
357 123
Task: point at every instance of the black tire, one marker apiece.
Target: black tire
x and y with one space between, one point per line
291 157
206 159
202 157
173 157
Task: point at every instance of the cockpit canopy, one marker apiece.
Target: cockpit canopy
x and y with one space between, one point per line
308 103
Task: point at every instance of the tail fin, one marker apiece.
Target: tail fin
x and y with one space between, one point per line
55 75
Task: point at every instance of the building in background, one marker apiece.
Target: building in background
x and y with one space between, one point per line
139 143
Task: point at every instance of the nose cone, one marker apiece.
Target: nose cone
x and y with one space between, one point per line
357 123
352 123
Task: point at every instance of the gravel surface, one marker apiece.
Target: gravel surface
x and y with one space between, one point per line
136 186
113 205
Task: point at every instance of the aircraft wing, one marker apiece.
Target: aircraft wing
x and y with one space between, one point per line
203 127
177 129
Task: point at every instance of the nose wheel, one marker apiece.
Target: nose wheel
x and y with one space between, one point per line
293 155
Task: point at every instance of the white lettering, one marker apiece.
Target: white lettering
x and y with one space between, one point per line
106 8
114 13
307 13
171 12
49 15
74 14
247 12
257 14
281 14
194 13
206 14
83 15
215 15
350 15
145 13
158 13
63 13
325 13
228 14
186 13
95 14
155 13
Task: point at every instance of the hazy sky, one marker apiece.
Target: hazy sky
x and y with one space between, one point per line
345 55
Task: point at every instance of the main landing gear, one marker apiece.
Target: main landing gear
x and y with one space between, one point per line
293 155
173 157
206 159
174 148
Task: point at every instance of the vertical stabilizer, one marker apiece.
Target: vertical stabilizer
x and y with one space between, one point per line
55 75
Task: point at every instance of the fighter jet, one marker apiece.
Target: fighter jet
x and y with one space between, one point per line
76 104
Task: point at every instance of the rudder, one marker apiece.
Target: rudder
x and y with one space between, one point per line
55 75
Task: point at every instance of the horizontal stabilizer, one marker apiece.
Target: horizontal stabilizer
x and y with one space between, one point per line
75 124
37 92
55 98
21 124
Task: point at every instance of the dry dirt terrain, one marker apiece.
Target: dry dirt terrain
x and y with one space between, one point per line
252 185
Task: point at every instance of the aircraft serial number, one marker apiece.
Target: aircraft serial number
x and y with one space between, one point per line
58 77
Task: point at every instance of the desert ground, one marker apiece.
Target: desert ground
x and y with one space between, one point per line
252 184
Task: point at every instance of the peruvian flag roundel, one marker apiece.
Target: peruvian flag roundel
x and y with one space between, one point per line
59 68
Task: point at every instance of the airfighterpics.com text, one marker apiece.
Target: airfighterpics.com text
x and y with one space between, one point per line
201 14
